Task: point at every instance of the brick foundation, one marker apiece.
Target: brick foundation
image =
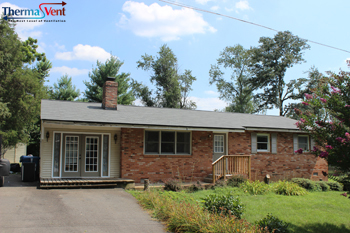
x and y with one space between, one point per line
158 168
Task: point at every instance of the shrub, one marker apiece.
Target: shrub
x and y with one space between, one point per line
224 204
324 186
255 188
235 181
195 187
335 186
173 185
289 189
307 184
273 224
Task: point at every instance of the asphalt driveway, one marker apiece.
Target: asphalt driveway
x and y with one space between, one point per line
27 209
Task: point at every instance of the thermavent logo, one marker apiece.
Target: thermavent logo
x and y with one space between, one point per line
45 13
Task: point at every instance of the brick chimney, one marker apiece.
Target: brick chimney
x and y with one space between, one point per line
110 92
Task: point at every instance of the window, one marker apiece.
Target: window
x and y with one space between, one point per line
263 142
303 142
152 142
167 142
218 143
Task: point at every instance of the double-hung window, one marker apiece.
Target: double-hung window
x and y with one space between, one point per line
263 142
167 142
303 142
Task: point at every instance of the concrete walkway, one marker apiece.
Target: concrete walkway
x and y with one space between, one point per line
27 209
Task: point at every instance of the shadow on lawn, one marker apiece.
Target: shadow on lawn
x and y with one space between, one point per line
320 228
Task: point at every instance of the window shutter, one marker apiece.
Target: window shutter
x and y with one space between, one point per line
253 143
312 143
295 142
274 143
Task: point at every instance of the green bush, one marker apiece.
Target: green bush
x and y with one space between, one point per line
324 186
273 224
195 187
289 189
173 185
224 204
307 184
335 186
236 181
255 188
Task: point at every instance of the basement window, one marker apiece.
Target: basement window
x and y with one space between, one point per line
167 142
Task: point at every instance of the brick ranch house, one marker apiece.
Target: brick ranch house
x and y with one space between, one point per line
87 140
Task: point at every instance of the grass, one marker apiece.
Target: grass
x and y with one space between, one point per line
314 212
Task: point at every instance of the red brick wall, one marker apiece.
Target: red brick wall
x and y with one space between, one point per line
136 165
283 165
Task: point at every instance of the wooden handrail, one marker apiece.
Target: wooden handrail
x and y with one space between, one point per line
229 165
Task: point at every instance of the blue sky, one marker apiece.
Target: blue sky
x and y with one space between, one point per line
128 29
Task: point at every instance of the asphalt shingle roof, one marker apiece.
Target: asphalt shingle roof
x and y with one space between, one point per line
135 115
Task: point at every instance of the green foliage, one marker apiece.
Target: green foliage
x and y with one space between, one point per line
255 188
173 185
324 186
98 77
172 88
289 189
182 216
195 187
21 87
236 181
307 184
225 204
270 61
335 186
238 91
332 129
64 89
273 224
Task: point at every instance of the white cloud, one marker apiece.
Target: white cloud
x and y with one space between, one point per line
228 9
214 93
24 29
243 5
209 104
202 1
84 52
162 21
70 71
41 47
214 8
59 47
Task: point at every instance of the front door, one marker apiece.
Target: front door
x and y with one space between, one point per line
81 156
219 146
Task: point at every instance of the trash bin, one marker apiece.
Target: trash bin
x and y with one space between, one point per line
30 167
4 170
28 172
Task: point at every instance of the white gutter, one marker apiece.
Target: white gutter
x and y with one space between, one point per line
142 126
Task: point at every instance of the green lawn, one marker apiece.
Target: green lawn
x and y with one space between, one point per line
315 212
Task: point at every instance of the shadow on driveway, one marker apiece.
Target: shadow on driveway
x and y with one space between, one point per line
14 180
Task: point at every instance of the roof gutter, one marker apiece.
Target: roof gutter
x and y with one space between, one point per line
142 126
275 130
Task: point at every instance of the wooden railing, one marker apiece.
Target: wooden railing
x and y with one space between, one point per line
231 165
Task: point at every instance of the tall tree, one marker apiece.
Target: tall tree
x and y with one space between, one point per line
270 61
172 88
21 87
98 77
64 89
238 91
